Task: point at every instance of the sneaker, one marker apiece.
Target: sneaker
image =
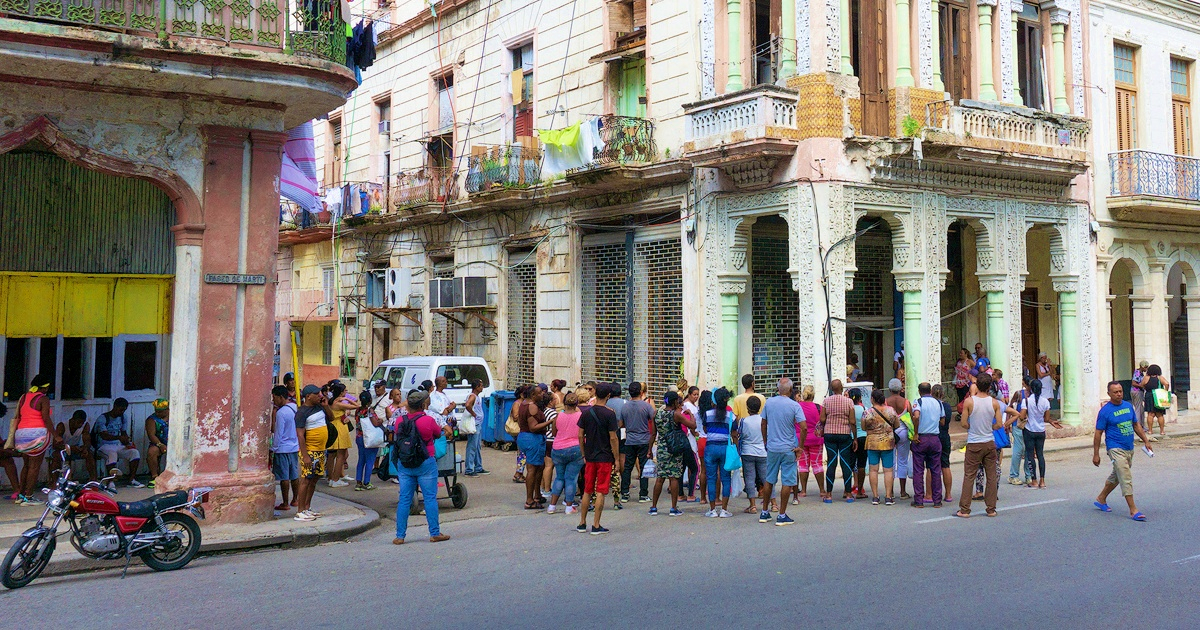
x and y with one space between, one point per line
134 483
618 506
313 513
550 509
359 488
1013 481
347 478
937 506
724 514
625 498
596 531
889 501
653 511
304 517
470 474
675 512
712 514
874 500
582 529
783 519
394 480
30 502
150 484
483 472
20 498
642 499
571 509
368 487
764 517
338 484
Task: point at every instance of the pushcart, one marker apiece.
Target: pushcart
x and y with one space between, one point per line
447 464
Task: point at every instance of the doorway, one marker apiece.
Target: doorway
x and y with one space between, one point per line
869 58
1030 334
954 25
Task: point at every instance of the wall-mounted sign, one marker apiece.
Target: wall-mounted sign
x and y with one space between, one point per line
234 278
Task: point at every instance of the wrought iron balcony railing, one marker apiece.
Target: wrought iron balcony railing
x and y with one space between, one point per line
507 166
1139 172
301 27
425 185
626 140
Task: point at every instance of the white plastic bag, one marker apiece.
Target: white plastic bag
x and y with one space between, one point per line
649 471
372 435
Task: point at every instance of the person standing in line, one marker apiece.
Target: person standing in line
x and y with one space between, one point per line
717 422
811 458
339 452
1045 373
900 405
366 456
567 455
532 441
981 415
424 476
1116 424
1018 469
962 374
556 394
944 438
473 466
285 448
311 437
927 451
636 416
860 439
1009 420
880 422
1153 380
599 426
754 452
785 430
514 414
669 467
1034 434
380 400
1002 390
616 402
1137 394
691 461
550 412
740 410
838 429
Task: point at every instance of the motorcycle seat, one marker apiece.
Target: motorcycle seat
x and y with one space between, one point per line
148 507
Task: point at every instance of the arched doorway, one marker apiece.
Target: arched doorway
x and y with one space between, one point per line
1181 281
1123 280
1040 317
873 311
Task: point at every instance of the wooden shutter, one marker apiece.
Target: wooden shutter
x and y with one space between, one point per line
1126 130
523 123
963 64
873 38
1182 113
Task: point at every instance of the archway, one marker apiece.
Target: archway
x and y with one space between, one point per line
1040 317
1181 282
873 311
1124 277
774 312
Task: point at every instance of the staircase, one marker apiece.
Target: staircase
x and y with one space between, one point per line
1180 378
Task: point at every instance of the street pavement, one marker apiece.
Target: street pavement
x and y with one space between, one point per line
1048 560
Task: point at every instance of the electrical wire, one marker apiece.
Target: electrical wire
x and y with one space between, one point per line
566 56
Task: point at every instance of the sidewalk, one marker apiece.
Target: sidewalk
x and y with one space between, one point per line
341 519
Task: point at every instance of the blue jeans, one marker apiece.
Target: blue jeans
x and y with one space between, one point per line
474 463
567 464
425 476
366 462
1017 469
714 464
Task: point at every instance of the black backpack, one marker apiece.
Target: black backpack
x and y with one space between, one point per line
408 447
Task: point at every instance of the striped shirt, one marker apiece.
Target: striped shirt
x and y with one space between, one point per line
839 415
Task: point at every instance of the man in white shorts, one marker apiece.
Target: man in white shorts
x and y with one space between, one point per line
115 443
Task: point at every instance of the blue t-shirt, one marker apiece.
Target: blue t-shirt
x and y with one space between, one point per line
782 414
931 415
982 364
717 432
1117 423
285 439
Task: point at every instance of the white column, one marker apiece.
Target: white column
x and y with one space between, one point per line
184 354
936 30
987 84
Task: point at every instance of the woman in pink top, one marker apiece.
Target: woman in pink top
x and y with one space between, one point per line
812 457
567 456
425 475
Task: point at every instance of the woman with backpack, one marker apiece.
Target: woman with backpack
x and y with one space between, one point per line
1156 405
33 436
670 432
880 422
414 445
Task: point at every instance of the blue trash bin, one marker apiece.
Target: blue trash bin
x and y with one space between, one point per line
496 410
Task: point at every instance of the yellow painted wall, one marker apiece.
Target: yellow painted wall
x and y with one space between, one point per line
311 343
307 262
78 305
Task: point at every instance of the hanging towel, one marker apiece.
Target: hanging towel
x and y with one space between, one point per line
564 150
298 173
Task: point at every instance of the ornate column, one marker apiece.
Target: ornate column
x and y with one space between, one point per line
1017 5
733 286
844 22
904 77
1058 32
1104 335
733 80
1070 364
1192 304
787 66
996 307
936 34
910 285
987 85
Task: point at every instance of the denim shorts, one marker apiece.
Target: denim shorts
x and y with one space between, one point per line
286 466
781 464
888 458
533 446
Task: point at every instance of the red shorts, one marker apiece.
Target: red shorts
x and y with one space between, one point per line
596 477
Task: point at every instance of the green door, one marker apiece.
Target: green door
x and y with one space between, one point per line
632 92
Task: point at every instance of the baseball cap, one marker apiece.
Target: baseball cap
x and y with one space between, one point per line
379 383
309 390
417 397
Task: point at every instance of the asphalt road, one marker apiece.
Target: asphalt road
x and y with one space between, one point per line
1048 560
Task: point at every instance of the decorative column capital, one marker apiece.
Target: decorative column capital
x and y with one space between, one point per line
1066 284
189 233
909 281
992 283
732 283
1059 15
1192 299
986 3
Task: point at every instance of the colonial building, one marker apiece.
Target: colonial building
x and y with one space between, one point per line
661 190
1147 193
140 159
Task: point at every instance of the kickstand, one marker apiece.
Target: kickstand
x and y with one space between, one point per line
128 558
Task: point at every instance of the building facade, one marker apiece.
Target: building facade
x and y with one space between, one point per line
767 187
140 148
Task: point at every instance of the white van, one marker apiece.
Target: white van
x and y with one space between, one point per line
407 373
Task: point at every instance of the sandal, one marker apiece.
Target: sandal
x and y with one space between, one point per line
531 505
991 512
1103 507
960 514
750 510
1139 517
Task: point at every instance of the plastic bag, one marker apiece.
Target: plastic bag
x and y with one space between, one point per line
649 471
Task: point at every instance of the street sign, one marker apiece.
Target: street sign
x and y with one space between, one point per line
234 278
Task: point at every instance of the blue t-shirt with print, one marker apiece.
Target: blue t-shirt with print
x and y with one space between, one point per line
1117 423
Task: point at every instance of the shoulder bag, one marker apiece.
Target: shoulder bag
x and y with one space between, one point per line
372 435
676 441
1000 436
1160 397
512 427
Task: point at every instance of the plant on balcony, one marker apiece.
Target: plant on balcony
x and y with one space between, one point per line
910 127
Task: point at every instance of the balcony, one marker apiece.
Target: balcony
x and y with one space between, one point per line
299 226
501 176
303 305
628 155
745 133
1145 183
431 185
1007 136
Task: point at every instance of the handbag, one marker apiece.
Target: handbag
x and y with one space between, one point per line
467 425
733 461
372 435
512 427
440 446
1160 397
1001 438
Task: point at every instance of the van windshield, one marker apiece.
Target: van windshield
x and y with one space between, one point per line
460 376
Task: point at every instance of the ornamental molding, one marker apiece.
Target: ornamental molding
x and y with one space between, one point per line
733 285
708 51
986 3
1007 43
943 175
1170 12
754 173
1066 284
925 42
803 37
833 36
992 283
1060 15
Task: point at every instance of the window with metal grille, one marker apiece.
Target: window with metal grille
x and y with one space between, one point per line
603 317
776 321
658 314
522 320
444 331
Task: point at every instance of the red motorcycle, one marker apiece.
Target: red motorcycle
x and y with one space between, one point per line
159 529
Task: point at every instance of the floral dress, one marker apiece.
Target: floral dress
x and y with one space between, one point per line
667 465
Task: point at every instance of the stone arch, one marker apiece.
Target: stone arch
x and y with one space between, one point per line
189 212
1189 265
1134 256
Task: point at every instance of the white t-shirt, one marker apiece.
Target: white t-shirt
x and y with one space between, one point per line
1036 420
695 411
752 437
438 401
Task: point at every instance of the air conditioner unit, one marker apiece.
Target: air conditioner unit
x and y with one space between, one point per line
397 285
471 290
385 127
441 293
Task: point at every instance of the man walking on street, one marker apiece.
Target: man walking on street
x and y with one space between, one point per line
784 430
1117 423
635 417
927 451
981 415
599 426
285 448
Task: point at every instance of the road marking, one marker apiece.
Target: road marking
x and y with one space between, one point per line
1009 507
1186 560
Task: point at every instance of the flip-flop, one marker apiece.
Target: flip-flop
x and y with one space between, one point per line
961 515
1103 507
827 500
1139 517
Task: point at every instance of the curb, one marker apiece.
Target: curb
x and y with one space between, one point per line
1179 433
300 537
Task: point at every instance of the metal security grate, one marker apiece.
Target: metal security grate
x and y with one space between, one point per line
444 330
603 316
776 313
658 314
522 322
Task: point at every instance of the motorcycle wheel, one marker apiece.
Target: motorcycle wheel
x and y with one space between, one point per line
176 555
26 559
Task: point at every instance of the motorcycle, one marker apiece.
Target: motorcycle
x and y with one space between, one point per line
159 529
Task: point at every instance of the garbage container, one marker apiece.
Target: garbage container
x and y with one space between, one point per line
496 410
